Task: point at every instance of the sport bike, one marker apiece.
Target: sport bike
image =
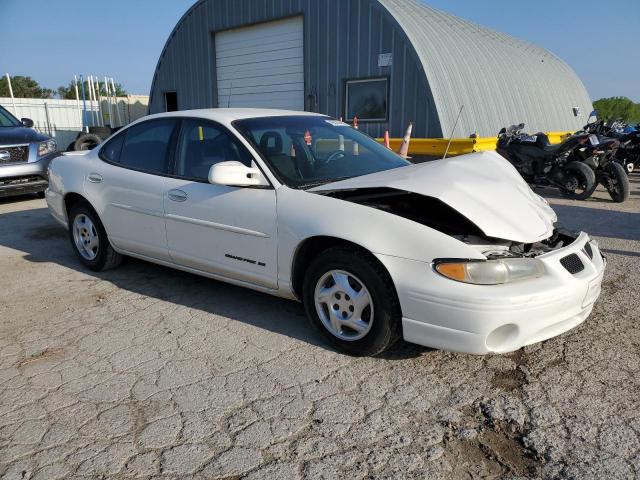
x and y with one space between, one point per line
543 164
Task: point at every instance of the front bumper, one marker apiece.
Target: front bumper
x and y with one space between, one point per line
24 178
481 319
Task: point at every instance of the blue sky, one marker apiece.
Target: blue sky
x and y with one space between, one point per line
51 40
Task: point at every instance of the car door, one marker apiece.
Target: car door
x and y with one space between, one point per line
127 187
227 231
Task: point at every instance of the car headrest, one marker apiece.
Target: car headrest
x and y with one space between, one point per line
271 143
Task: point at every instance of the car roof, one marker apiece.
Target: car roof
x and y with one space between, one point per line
228 115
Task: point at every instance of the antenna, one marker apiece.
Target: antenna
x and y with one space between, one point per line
230 93
453 132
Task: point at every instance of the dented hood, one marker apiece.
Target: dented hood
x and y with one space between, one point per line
483 187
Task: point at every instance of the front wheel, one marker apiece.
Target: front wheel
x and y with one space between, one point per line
580 181
617 182
89 239
351 301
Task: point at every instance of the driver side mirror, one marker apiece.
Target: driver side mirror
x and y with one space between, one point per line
235 174
27 122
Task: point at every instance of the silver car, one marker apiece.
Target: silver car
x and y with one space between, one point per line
24 156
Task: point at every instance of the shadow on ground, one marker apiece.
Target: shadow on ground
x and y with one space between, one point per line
41 239
601 222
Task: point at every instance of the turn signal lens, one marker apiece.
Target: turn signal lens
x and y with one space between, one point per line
490 272
455 271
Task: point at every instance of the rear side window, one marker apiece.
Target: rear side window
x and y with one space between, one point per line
146 146
111 150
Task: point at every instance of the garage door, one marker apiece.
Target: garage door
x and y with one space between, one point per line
262 66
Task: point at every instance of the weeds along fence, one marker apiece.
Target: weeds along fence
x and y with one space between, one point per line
63 119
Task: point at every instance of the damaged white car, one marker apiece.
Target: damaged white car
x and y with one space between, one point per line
456 254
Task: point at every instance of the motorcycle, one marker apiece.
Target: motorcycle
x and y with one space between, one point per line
601 156
609 173
543 164
629 137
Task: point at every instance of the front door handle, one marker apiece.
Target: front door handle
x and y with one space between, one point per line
94 178
178 195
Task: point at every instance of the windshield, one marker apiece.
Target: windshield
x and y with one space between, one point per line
8 120
305 151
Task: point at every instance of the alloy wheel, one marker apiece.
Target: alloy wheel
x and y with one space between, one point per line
344 305
85 236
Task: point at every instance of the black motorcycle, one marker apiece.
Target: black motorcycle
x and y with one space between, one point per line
628 154
543 164
601 155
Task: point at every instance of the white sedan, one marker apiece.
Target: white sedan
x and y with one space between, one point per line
458 254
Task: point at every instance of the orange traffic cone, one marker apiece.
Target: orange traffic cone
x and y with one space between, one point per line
387 142
404 148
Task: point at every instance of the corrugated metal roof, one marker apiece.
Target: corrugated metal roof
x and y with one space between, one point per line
499 79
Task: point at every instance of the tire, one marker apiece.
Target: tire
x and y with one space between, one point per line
379 321
87 141
586 180
102 132
618 185
103 256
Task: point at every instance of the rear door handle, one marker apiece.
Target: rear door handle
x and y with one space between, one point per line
94 178
178 195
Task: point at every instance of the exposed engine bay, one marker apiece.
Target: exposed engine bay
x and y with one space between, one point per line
495 249
428 211
434 213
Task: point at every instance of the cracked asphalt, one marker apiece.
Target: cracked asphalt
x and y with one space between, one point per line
146 372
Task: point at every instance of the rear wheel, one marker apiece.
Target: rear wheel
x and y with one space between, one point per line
617 182
580 181
351 300
89 239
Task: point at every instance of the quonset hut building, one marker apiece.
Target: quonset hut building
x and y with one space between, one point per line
387 61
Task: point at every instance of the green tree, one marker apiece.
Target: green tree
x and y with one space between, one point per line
69 92
618 107
24 87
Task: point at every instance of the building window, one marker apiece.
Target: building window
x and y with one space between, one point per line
368 99
170 101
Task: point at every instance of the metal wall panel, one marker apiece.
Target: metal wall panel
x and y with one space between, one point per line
440 62
499 79
342 40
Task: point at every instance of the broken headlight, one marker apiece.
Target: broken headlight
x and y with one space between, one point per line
490 272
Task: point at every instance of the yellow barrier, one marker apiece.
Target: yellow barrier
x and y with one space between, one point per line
435 147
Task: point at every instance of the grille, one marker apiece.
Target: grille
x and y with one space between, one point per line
14 154
589 250
12 181
572 263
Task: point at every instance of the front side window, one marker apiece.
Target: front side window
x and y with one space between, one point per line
203 144
146 146
367 100
305 151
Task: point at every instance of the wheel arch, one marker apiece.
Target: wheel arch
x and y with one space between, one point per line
73 198
311 247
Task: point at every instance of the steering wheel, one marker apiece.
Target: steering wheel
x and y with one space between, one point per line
334 156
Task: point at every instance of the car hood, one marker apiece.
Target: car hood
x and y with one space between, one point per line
483 187
18 135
